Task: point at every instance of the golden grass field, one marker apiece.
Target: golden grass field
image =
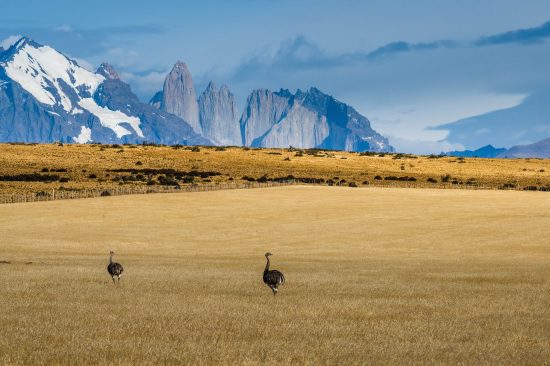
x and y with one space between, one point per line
374 276
88 166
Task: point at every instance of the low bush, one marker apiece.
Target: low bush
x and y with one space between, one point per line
34 177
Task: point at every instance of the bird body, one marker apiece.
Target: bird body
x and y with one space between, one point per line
115 269
272 278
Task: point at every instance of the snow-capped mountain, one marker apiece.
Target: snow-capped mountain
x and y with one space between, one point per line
45 97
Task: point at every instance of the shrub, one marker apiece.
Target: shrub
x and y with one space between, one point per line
34 177
378 177
262 179
530 188
196 149
92 176
366 183
105 194
45 170
299 153
508 186
352 184
446 178
249 179
139 163
220 148
286 159
432 180
167 180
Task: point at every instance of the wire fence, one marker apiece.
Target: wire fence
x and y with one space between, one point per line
63 194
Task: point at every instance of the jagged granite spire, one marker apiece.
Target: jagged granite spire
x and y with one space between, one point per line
108 71
306 119
218 116
179 97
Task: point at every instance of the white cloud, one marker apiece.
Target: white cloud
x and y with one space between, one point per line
423 147
412 121
64 28
8 42
145 85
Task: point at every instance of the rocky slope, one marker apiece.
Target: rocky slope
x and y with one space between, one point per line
178 96
218 116
308 119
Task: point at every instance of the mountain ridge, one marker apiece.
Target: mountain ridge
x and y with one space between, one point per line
45 96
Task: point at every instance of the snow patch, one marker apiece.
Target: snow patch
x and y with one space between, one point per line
112 119
37 69
85 135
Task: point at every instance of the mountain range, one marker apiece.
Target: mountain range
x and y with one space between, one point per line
47 97
540 149
524 124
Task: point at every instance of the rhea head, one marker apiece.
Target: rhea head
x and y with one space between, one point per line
268 254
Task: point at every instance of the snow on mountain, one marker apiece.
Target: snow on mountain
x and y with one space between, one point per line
56 80
45 96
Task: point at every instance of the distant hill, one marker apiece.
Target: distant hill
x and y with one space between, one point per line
488 151
523 124
539 149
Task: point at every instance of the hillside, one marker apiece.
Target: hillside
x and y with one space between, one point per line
539 149
41 168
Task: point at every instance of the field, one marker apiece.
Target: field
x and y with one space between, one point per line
39 169
374 276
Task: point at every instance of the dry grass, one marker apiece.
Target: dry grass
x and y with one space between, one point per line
81 161
373 276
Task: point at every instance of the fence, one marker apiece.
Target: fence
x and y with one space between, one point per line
56 194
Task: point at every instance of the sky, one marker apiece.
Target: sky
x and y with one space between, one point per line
406 65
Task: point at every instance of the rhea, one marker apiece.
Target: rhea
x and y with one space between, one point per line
272 278
115 269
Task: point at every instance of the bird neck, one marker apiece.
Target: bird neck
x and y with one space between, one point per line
111 258
267 265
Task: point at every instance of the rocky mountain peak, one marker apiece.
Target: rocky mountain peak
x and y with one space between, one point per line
179 96
218 115
108 71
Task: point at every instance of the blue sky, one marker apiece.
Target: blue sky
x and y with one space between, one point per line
407 65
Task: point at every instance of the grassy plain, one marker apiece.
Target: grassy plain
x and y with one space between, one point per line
91 166
374 276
